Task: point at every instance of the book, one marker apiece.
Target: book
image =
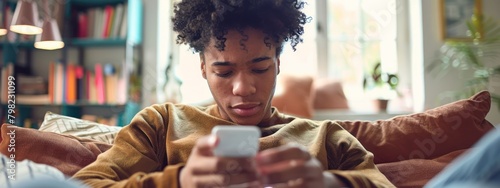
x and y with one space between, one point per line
80 83
51 81
123 28
98 22
117 22
111 80
59 83
6 72
82 25
3 86
91 23
107 21
70 89
30 85
89 83
99 83
122 83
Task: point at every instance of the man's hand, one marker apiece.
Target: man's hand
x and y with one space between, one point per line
292 166
203 169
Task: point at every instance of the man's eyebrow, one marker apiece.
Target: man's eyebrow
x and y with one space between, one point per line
221 63
259 59
227 63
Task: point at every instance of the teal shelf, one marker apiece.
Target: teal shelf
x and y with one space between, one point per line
97 42
26 45
11 2
94 3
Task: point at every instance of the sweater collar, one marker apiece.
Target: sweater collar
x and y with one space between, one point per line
275 118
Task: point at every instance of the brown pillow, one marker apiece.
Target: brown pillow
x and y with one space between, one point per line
416 172
329 94
293 95
64 152
425 135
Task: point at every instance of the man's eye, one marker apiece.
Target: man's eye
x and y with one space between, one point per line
259 71
223 75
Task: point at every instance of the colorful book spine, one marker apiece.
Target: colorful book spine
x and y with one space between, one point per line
99 83
108 16
83 24
51 81
80 83
70 84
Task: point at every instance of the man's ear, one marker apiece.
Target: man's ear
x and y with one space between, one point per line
203 67
278 66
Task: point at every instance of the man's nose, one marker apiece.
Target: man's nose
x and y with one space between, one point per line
243 85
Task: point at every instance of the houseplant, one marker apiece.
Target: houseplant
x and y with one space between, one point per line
479 55
381 85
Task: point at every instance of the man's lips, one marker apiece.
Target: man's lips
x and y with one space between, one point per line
246 109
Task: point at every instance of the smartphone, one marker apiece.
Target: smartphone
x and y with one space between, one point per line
236 141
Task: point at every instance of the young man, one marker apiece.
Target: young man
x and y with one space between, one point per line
239 42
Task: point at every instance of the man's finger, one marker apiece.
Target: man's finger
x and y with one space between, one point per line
215 165
282 154
225 180
205 145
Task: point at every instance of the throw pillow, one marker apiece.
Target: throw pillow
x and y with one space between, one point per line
329 94
293 95
77 127
425 135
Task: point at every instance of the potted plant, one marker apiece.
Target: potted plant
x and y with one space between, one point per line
480 55
381 85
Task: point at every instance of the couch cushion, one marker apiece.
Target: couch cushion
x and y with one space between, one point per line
329 94
64 152
294 95
425 135
416 172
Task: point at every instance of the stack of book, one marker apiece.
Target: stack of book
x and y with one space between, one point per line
31 90
102 22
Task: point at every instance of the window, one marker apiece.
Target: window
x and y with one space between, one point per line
357 35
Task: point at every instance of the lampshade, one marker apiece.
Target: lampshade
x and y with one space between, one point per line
25 19
2 31
50 38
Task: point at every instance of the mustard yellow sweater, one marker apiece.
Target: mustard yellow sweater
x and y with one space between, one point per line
151 150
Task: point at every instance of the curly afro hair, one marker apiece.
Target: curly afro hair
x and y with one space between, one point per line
196 21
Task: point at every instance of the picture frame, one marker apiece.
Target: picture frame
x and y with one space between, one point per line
454 17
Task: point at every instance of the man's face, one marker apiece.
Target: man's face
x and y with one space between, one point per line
242 80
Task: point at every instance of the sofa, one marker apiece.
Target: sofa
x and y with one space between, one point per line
409 149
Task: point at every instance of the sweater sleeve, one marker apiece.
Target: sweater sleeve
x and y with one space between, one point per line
351 162
137 157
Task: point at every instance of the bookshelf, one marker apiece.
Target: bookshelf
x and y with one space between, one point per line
98 43
79 52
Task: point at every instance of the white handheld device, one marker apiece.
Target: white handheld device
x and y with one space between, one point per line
236 141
